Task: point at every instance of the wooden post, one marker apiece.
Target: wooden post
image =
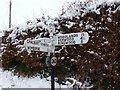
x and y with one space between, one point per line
10 14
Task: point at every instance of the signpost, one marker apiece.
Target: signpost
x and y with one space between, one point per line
38 45
44 47
72 38
48 45
61 39
36 41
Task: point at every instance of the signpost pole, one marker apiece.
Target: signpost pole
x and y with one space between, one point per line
52 67
52 71
52 79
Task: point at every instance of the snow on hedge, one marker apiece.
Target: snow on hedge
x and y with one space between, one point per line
81 7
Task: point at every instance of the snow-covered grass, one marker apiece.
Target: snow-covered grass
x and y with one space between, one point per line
8 80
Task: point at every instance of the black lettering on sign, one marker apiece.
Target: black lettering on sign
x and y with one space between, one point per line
74 42
73 35
65 36
34 48
44 44
67 39
76 35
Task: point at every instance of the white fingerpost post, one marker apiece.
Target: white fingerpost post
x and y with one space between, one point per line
52 67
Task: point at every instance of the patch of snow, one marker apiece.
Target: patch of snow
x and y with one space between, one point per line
73 80
109 19
8 80
106 42
81 24
97 11
90 31
69 24
106 66
62 58
72 59
89 27
118 8
91 52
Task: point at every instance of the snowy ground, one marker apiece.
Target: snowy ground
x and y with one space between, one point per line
10 81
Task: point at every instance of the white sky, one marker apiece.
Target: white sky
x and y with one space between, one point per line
24 10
